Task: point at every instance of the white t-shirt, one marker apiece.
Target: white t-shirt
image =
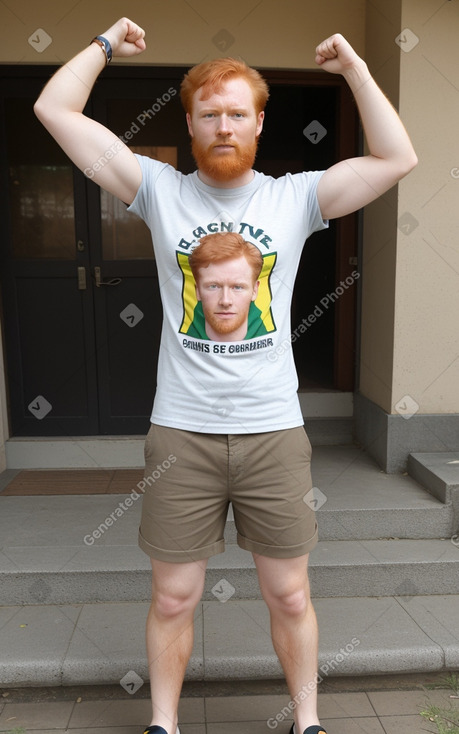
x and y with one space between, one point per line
248 386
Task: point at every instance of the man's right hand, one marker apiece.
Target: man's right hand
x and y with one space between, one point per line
93 148
126 38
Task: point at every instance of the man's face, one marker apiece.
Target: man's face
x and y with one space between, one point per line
226 290
224 131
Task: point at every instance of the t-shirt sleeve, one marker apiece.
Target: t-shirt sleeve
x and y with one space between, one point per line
144 199
314 220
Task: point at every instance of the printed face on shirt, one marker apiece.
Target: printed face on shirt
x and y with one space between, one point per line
226 290
224 131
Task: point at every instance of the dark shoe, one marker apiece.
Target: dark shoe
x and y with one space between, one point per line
155 730
310 730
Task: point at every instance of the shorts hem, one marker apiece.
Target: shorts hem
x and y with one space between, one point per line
181 556
278 551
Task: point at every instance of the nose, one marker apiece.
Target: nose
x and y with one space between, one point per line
225 296
224 126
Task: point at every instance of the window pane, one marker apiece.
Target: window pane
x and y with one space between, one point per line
40 187
124 235
42 212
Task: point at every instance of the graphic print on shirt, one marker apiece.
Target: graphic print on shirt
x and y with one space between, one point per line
260 317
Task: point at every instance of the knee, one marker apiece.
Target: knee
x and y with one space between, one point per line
293 604
172 605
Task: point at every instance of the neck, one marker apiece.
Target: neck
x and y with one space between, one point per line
233 183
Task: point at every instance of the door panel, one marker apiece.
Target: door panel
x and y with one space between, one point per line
48 321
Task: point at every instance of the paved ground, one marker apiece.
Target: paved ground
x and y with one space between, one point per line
374 705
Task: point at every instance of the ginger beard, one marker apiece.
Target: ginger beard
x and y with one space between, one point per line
222 325
224 166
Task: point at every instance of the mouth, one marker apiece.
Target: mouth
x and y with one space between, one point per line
224 147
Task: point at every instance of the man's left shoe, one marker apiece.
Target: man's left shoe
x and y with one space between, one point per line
310 730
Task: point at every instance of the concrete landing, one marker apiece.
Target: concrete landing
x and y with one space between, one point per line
89 644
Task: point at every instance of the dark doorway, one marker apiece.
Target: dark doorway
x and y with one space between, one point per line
81 306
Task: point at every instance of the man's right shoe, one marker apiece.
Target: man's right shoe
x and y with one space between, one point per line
310 730
157 730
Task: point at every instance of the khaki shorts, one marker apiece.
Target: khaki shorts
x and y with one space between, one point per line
191 478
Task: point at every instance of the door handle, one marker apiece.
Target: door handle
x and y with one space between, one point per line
81 278
99 281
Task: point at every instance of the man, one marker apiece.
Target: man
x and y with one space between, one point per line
225 269
247 444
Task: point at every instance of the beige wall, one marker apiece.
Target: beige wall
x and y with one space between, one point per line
380 222
410 337
271 33
426 334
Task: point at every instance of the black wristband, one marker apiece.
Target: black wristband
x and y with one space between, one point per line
105 46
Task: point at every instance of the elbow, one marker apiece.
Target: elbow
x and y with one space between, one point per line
410 163
39 109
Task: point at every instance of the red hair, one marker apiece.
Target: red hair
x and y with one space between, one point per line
211 75
220 246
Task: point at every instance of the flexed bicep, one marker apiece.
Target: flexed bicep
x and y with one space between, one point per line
93 148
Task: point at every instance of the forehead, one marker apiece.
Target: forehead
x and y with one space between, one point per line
227 270
234 92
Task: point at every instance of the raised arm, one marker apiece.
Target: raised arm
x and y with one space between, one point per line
353 183
92 147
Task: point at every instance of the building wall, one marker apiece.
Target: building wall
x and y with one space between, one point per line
410 339
269 33
426 334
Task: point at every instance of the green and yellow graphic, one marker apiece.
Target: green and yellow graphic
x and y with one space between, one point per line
260 320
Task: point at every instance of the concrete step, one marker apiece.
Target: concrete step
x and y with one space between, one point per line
68 575
51 645
439 474
379 535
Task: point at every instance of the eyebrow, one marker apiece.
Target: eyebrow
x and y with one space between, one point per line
217 108
238 281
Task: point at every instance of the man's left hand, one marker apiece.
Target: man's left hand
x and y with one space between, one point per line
336 55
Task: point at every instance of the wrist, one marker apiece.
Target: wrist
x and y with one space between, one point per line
105 46
357 75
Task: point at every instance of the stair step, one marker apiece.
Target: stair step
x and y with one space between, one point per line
439 474
337 568
90 644
379 535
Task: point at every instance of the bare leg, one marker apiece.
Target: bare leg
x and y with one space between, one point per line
285 587
176 591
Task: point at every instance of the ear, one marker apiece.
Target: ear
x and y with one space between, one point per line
260 118
188 122
255 290
198 295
